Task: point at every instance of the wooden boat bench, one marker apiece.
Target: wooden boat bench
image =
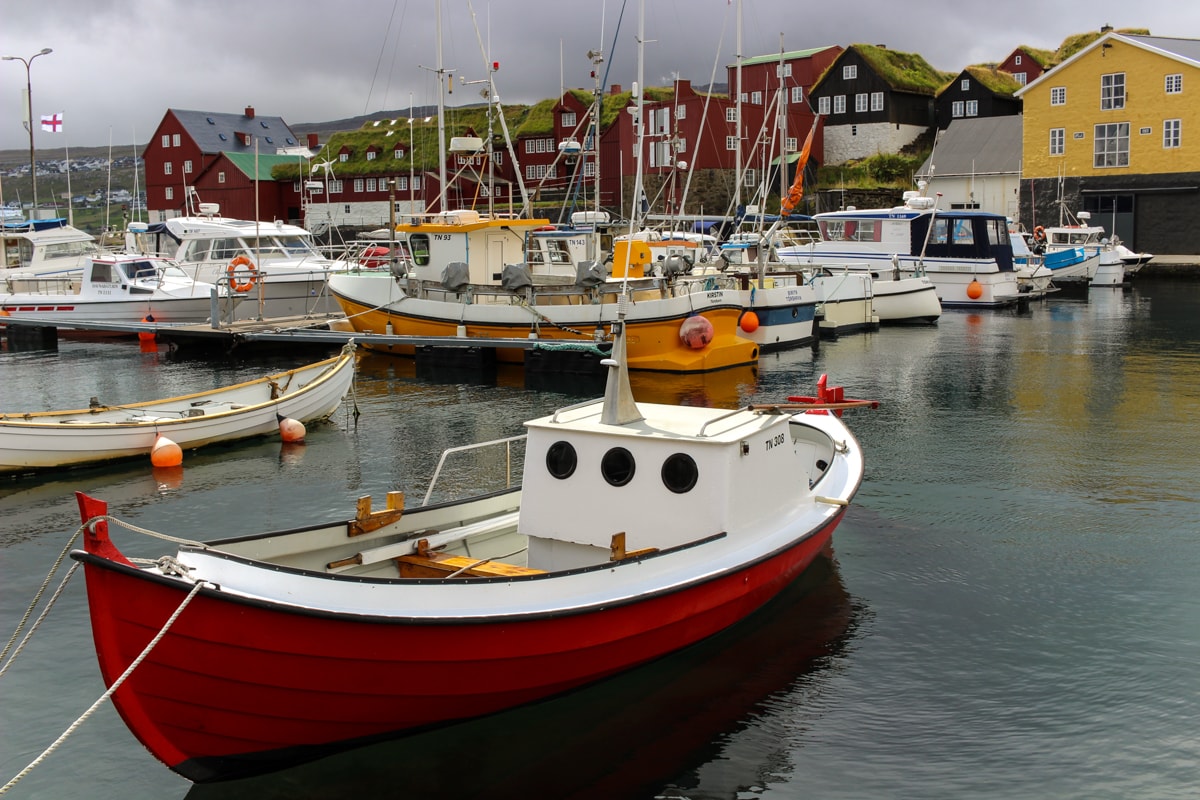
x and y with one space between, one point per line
429 563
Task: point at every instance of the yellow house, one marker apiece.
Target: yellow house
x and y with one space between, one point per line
1115 130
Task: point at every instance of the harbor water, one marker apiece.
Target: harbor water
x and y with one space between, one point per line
1009 610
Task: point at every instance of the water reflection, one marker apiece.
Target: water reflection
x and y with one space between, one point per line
627 737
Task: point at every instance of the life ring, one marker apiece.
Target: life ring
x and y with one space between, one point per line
1039 234
234 282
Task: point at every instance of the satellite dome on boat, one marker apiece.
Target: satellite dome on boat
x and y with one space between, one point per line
466 144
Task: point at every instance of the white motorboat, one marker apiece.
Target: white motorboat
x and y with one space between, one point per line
113 288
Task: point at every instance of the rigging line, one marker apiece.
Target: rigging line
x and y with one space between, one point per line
382 47
111 690
37 596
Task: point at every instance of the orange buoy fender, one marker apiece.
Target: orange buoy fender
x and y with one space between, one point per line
974 290
749 322
696 332
291 430
165 453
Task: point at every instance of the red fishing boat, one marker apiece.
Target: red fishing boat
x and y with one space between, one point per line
639 530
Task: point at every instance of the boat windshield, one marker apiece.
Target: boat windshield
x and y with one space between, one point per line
139 270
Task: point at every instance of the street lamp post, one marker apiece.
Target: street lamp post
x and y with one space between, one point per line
29 116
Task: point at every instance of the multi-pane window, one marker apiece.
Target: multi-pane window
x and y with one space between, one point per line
370 155
849 72
756 98
731 143
972 108
569 119
956 108
166 140
1058 141
877 101
1174 83
358 185
787 71
839 104
1171 129
170 193
1112 145
372 183
749 178
175 140
860 102
965 84
1017 61
731 115
797 94
790 144
1112 91
167 168
1020 77
187 166
1058 96
680 112
823 105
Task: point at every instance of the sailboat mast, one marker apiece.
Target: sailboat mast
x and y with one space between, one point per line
441 117
737 165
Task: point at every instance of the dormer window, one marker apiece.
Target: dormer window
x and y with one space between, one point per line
398 152
370 155
569 119
343 157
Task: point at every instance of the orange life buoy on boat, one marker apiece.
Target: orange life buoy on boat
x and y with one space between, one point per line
237 284
1039 234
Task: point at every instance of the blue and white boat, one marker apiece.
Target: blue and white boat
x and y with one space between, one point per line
966 254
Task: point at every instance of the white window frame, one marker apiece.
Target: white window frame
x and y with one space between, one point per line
358 185
1058 95
343 157
861 102
965 84
1017 61
1112 91
1021 78
1173 83
1172 133
569 119
680 112
756 98
731 143
790 144
168 168
823 105
787 71
187 167
849 72
972 108
370 155
1111 150
797 94
374 185
1058 141
166 140
839 104
731 114
877 101
175 140
170 193
220 177
956 109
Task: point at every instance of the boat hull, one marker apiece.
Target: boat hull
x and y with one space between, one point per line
374 304
69 309
56 440
239 687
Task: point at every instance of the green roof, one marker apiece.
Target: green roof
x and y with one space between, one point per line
906 72
994 80
1044 58
1076 42
794 54
266 163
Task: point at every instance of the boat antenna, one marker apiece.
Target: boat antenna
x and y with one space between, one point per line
929 230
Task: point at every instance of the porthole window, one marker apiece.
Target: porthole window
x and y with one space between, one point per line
617 466
561 460
679 473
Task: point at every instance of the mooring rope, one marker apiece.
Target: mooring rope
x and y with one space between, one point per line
38 595
37 623
116 685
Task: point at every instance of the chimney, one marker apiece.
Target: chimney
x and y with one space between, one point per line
683 85
312 141
249 112
1106 28
615 89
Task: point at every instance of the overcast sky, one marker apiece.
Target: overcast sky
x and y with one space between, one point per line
118 65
